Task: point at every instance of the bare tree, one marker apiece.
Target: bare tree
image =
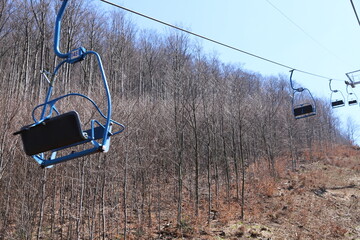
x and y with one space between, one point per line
351 130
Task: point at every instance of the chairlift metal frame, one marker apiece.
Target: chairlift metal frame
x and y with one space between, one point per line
305 109
338 102
351 97
54 131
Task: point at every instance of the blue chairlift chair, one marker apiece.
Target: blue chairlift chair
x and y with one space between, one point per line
55 131
303 103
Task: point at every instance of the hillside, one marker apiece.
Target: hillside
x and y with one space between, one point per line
319 201
207 144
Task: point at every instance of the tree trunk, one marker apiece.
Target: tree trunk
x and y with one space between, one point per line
42 204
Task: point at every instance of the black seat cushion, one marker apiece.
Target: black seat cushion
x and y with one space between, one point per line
57 132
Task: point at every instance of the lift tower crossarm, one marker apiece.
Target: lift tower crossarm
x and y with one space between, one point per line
351 76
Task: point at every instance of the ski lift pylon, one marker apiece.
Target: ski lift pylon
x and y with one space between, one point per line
337 99
53 131
306 107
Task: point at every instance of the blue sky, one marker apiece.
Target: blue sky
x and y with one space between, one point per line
317 36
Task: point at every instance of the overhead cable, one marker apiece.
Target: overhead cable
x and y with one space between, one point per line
302 30
353 6
217 42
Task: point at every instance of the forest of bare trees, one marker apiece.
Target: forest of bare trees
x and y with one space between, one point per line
197 129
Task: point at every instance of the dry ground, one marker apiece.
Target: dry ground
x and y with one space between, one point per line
319 201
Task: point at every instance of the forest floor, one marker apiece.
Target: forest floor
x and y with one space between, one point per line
321 200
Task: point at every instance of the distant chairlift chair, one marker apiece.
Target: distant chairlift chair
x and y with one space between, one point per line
55 131
351 97
337 99
301 108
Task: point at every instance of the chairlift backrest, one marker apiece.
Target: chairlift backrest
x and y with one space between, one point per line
52 133
352 102
303 111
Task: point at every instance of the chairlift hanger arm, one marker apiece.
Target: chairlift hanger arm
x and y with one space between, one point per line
57 33
74 55
334 91
291 82
347 87
300 89
330 86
